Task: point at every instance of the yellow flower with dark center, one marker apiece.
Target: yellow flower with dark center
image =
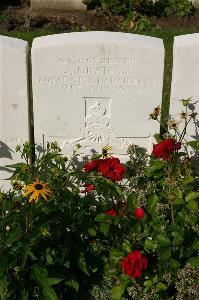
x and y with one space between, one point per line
36 189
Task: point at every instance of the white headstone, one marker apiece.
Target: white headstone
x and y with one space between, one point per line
96 88
185 80
13 102
67 5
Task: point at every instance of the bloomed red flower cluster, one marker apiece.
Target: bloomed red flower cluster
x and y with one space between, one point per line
134 263
110 168
166 148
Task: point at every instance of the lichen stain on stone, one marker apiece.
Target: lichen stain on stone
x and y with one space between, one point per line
15 106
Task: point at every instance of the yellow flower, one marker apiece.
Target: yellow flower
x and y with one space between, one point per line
36 189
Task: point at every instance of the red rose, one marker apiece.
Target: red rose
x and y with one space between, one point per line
111 212
165 149
91 165
134 263
139 213
88 188
111 168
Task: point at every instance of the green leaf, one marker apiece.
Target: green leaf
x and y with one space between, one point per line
150 244
188 180
92 232
13 236
161 286
177 238
3 287
48 293
104 228
162 240
132 201
118 291
126 246
192 196
195 245
178 201
40 275
156 165
174 264
157 137
192 205
83 264
152 202
73 284
194 144
148 283
116 255
194 261
102 218
54 281
164 254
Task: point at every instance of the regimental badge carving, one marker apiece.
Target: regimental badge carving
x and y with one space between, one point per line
97 127
97 131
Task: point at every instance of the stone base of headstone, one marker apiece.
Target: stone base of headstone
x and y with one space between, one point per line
66 5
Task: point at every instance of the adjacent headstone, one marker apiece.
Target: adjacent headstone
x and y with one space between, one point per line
96 88
66 5
13 102
195 3
185 81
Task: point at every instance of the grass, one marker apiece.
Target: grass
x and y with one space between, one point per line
166 34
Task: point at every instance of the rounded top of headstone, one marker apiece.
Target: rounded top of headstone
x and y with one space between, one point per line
97 36
187 39
10 42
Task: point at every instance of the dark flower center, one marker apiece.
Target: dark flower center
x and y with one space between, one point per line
38 186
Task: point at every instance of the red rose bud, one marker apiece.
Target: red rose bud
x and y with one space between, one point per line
111 212
134 263
88 188
139 213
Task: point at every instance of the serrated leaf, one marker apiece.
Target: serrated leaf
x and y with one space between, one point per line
83 264
152 202
40 275
48 293
118 291
73 284
54 281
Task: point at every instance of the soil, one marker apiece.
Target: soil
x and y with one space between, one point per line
24 18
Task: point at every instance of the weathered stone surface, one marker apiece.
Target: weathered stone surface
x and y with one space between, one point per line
185 79
13 102
68 5
96 88
195 3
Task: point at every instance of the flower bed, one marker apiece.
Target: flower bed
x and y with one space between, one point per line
102 230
